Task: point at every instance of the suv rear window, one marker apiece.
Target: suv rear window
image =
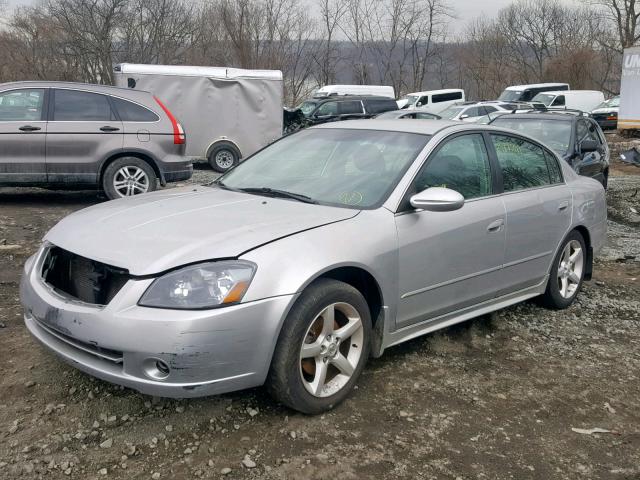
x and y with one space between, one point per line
379 106
74 105
350 107
446 97
131 112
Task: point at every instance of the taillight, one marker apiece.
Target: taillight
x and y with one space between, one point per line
178 131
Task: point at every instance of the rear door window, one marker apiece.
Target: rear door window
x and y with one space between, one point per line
351 107
379 106
326 109
523 163
132 112
22 105
74 105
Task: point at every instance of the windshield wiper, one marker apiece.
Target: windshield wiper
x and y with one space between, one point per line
278 193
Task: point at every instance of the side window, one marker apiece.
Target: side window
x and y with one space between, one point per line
558 101
472 112
329 108
488 110
21 105
461 164
424 100
523 164
554 168
424 116
131 112
446 97
379 106
73 105
351 107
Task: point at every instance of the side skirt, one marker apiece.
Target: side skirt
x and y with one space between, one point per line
448 319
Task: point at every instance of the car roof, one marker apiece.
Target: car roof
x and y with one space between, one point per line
445 90
534 85
569 92
425 127
350 97
77 85
540 115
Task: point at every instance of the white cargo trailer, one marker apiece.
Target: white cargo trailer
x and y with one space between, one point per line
629 112
227 113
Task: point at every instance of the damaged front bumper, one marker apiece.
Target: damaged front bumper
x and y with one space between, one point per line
166 353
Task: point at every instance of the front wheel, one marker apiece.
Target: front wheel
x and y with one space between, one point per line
567 273
323 347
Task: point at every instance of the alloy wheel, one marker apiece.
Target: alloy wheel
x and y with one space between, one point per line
331 350
130 180
570 269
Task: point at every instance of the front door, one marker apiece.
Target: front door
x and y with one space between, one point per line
23 129
451 260
82 132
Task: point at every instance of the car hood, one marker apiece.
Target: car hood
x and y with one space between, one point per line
153 233
605 110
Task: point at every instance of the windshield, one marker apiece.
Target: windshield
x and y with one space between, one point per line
544 98
348 168
450 112
554 133
612 102
510 95
307 107
410 99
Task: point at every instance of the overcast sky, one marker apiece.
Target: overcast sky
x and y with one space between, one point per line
466 9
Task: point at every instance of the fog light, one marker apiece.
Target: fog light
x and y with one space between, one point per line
155 369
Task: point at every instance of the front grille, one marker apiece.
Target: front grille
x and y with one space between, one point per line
81 278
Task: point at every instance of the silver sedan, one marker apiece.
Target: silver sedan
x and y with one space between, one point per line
323 249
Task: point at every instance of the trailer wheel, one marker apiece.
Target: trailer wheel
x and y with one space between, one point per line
224 156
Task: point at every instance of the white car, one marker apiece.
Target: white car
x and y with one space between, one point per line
473 111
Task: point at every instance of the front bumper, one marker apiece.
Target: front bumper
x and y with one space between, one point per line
208 352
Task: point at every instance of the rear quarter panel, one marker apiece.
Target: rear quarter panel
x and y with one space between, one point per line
589 206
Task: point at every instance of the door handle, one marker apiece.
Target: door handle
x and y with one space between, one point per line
563 206
29 128
109 129
495 226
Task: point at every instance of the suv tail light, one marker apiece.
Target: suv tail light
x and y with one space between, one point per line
178 131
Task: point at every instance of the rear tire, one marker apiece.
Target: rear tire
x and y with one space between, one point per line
224 156
322 349
128 176
567 273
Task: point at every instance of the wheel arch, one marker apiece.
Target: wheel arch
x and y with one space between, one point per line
218 141
586 236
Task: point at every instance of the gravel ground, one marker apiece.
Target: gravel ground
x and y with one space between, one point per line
514 395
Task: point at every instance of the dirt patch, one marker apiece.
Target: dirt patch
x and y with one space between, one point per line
493 398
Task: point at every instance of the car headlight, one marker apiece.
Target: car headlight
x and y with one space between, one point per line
200 286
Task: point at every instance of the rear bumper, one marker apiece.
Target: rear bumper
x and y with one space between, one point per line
175 168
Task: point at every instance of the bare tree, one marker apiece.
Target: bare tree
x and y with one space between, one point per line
624 16
328 53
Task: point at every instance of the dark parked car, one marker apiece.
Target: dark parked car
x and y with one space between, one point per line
61 135
345 107
576 138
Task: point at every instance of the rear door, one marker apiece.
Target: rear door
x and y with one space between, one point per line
23 129
589 164
83 131
538 208
350 109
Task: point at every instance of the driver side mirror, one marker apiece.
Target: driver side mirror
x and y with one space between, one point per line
437 199
463 116
589 146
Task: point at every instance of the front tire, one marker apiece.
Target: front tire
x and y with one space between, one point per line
128 176
567 273
324 344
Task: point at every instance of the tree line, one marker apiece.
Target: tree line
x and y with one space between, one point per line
409 44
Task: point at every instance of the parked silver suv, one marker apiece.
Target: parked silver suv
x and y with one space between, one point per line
60 135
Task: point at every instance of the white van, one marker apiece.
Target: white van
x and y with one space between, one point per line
377 90
585 100
433 101
525 93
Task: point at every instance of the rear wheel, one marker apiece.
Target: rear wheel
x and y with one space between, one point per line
567 273
128 176
322 349
224 156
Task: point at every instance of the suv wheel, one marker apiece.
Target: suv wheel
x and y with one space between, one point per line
323 347
129 176
224 156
